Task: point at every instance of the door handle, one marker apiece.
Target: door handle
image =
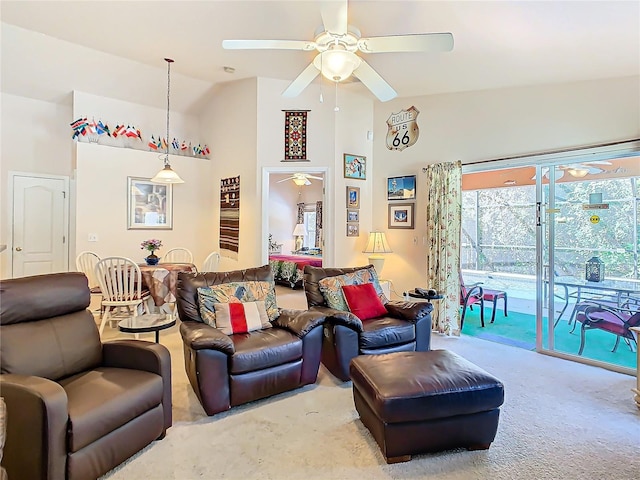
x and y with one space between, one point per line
18 249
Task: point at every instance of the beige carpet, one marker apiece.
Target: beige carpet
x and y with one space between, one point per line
561 420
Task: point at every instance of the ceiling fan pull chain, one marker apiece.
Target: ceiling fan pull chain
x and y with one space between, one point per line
336 108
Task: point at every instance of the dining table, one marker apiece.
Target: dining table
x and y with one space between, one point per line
161 280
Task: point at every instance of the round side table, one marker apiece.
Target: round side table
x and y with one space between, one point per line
153 322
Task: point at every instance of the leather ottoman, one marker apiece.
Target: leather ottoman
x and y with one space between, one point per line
418 402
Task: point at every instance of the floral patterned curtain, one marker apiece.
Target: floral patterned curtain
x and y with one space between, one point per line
300 217
319 224
444 216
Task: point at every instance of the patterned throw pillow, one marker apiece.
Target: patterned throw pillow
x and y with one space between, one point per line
241 317
236 292
331 287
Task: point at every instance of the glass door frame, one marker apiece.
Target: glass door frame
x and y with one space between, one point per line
543 162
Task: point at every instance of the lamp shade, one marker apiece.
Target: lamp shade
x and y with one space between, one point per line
377 243
167 175
299 230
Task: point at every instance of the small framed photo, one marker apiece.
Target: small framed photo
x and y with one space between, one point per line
401 215
353 197
353 215
401 188
355 166
149 205
353 230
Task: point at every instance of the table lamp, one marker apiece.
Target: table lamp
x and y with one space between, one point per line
299 232
376 245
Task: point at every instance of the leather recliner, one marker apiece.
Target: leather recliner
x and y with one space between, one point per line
230 370
76 407
406 327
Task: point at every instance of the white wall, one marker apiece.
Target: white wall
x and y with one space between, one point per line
330 134
102 203
35 138
229 126
486 125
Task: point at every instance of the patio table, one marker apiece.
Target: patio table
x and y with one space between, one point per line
613 288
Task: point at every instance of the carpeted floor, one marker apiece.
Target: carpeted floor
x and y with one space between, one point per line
560 420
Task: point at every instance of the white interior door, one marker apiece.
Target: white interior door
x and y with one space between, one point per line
40 224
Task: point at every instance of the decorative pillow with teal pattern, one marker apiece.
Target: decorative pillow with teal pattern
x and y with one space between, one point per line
331 287
236 292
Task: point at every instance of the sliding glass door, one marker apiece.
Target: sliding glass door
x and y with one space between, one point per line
590 287
560 240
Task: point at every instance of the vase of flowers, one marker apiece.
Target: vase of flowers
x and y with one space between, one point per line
151 245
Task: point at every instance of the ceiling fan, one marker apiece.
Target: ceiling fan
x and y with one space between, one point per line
300 179
577 170
337 44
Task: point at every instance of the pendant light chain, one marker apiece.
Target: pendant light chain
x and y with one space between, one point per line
169 62
167 175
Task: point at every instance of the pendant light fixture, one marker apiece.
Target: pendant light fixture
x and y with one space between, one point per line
167 175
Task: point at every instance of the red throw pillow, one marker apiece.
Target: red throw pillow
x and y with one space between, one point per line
363 301
241 317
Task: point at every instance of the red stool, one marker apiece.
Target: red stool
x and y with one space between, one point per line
493 296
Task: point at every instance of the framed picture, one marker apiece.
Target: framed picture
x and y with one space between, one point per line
401 215
353 215
353 230
401 188
149 205
355 166
353 197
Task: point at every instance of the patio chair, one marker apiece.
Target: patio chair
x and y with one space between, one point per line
470 294
615 320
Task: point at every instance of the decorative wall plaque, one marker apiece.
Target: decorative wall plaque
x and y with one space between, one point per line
402 130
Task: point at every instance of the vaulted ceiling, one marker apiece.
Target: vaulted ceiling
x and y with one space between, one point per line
116 49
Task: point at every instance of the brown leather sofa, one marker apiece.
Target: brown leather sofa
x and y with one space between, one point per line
407 327
230 370
76 407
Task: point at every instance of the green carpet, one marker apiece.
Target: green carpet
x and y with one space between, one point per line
519 330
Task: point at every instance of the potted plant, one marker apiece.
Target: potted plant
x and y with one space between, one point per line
152 245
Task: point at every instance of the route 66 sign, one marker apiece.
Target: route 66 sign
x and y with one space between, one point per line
402 130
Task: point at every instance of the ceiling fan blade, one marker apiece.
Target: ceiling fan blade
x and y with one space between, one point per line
284 179
334 17
315 178
300 83
268 44
374 82
421 42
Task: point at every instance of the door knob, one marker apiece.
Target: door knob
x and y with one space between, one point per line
18 249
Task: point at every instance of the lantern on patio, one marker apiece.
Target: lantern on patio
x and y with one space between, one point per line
594 270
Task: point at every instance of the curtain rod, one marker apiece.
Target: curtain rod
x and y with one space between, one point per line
549 152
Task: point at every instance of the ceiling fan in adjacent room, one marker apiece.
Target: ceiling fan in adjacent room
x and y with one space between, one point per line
337 44
300 179
577 170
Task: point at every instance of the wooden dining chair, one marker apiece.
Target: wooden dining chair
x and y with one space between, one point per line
177 255
211 262
121 284
86 263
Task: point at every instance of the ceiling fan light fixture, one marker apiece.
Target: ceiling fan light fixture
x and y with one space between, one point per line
300 181
337 64
578 172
